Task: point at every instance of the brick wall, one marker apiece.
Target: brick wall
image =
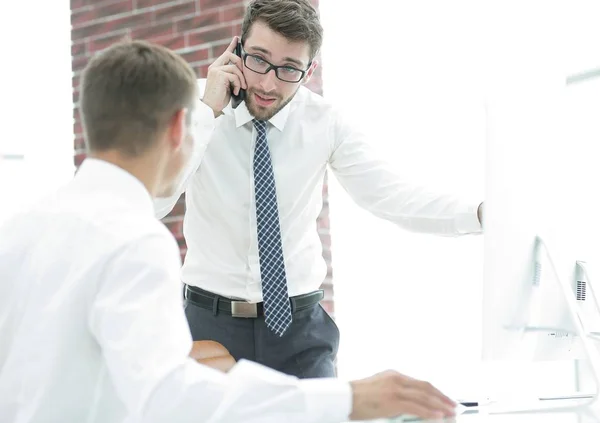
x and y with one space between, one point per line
199 30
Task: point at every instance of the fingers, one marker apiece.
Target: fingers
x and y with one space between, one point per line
235 80
425 395
229 75
428 387
427 401
232 44
233 69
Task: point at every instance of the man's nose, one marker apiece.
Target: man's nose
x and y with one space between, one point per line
268 82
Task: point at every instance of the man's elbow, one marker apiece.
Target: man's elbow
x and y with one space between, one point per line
212 354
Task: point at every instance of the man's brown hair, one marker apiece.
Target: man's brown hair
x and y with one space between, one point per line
130 92
296 20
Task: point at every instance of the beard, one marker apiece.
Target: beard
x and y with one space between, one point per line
265 113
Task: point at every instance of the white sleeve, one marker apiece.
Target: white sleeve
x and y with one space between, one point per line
375 186
203 127
139 322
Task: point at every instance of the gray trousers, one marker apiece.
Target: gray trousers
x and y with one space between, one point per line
307 349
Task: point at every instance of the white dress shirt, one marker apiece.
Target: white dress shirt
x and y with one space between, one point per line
305 138
92 327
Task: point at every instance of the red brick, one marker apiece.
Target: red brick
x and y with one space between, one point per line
141 4
152 31
97 44
197 55
323 221
233 13
78 49
174 42
79 142
325 239
77 128
179 209
76 4
205 37
176 228
219 48
209 4
236 30
180 242
75 97
328 306
95 29
201 71
79 62
78 159
198 21
100 11
174 11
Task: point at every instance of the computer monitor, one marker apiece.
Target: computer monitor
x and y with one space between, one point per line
541 178
542 215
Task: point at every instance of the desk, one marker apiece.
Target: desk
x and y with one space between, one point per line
581 414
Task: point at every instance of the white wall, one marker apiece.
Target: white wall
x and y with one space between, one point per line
37 111
414 75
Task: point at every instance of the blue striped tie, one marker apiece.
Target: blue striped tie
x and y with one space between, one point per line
277 308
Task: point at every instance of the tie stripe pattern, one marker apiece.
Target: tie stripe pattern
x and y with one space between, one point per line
277 308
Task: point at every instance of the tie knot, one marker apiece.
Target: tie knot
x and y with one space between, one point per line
260 125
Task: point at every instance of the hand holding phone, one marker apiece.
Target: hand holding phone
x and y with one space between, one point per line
237 99
225 78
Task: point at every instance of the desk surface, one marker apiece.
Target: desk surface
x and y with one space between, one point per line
577 414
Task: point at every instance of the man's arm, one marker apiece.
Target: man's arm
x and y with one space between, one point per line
375 186
212 354
203 127
139 323
215 91
138 320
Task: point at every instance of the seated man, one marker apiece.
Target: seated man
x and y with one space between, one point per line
92 328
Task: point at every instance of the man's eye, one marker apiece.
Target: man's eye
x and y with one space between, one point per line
258 60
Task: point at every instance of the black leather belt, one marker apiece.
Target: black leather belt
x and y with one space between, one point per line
245 309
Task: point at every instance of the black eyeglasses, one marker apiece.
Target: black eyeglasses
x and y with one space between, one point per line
285 73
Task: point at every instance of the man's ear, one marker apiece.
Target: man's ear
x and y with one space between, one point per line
310 71
177 129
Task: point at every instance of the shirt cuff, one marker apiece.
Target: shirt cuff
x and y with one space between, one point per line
203 119
327 399
466 220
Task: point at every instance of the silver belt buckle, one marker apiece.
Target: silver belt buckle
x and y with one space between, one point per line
244 309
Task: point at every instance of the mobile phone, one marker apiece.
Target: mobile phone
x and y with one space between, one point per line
237 99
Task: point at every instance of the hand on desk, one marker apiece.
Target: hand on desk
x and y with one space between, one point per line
212 354
390 394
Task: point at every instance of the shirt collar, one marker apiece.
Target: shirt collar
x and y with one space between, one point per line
96 173
242 116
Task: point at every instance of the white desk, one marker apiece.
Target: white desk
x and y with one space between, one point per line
581 414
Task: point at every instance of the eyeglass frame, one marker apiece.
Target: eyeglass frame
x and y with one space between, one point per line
245 55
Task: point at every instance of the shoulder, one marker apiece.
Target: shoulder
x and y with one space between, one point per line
313 106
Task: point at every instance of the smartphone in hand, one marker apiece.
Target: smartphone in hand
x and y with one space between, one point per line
236 100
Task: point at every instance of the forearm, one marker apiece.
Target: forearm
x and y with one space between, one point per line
202 127
249 393
387 195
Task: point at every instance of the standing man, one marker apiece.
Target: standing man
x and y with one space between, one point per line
91 324
254 191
